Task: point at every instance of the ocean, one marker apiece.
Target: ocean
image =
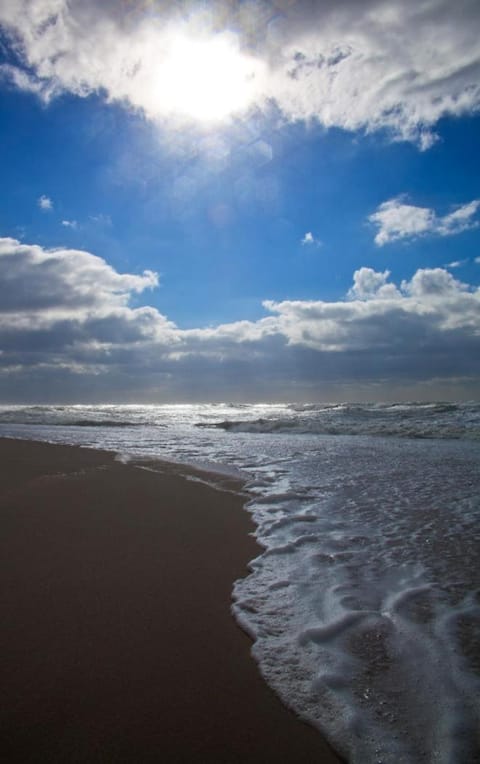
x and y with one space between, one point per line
364 603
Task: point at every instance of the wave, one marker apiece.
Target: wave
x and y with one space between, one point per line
98 423
420 420
443 422
52 422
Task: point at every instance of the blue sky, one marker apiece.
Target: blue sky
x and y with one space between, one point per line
210 201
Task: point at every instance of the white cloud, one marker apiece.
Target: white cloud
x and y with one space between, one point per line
422 314
66 315
456 263
396 220
363 65
433 283
70 224
45 203
369 284
101 219
45 284
310 240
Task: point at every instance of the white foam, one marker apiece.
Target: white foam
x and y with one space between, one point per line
368 621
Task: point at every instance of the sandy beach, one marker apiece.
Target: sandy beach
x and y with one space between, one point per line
117 641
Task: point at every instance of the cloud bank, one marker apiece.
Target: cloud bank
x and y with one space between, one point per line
397 220
68 331
398 65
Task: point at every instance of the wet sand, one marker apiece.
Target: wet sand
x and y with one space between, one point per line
117 642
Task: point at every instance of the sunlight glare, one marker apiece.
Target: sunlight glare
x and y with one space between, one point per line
206 80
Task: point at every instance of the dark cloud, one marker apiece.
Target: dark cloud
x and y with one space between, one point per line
82 339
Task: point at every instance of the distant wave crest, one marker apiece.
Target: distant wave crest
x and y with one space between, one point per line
413 420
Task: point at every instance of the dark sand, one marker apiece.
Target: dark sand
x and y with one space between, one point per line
117 643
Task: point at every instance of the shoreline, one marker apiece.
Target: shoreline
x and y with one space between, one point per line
119 643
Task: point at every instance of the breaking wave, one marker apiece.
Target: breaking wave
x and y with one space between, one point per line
412 420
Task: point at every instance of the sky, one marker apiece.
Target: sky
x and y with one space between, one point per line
265 200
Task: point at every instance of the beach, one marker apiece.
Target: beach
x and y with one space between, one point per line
117 641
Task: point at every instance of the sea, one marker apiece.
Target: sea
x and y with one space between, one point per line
364 601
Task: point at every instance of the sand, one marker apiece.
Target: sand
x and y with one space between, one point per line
117 642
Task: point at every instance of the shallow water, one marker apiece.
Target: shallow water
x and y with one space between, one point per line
365 605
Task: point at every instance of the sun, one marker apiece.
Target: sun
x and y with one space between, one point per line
206 79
